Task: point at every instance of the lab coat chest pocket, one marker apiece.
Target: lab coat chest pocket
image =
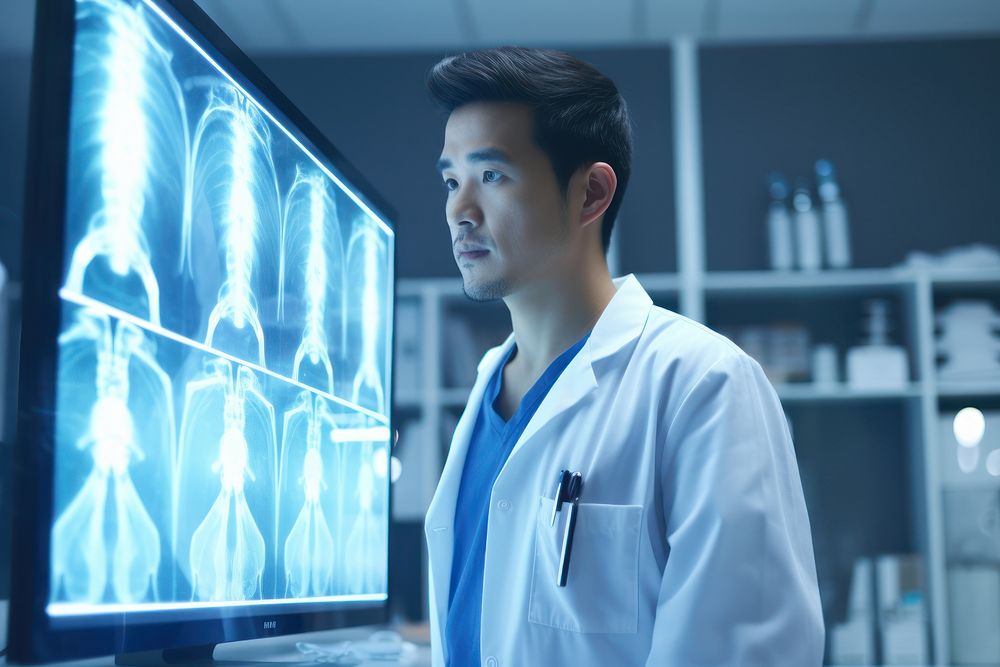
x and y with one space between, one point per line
602 588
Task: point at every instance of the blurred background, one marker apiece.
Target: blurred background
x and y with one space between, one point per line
813 178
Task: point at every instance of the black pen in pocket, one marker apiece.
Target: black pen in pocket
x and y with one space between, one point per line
573 491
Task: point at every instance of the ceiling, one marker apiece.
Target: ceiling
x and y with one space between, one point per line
301 26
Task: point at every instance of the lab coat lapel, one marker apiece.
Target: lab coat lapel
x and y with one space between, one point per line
440 519
619 325
441 511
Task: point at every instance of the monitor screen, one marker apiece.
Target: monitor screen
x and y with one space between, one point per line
222 391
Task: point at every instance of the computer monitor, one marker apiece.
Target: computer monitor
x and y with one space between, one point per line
204 407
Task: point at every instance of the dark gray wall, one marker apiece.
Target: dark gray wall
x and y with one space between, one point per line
14 76
912 128
377 111
15 73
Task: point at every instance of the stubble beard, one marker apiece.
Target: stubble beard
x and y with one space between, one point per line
485 291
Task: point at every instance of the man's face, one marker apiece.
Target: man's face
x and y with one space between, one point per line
505 210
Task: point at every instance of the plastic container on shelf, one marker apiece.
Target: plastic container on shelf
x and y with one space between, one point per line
835 223
807 229
779 224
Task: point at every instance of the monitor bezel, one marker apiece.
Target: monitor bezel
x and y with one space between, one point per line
32 637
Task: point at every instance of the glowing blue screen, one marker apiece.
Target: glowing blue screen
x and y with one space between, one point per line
222 426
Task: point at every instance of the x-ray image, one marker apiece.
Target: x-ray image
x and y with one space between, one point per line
362 502
232 172
312 277
128 170
364 326
115 451
227 461
307 502
223 374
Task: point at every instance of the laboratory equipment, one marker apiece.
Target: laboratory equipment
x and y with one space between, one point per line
902 615
974 614
808 240
825 371
781 348
204 412
409 343
876 364
964 257
969 341
836 232
853 642
779 224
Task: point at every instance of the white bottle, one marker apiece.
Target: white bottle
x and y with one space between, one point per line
807 229
779 224
835 226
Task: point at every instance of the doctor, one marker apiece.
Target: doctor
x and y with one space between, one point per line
691 544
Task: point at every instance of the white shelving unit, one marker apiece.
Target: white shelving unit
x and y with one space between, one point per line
432 399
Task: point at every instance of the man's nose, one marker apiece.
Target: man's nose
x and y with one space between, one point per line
463 208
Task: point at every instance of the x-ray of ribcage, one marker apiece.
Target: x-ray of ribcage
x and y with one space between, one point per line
222 398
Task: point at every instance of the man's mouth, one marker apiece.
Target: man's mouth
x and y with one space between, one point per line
469 251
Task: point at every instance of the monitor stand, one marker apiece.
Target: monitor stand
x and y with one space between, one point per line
196 656
188 655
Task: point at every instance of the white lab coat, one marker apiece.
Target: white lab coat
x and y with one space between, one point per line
692 543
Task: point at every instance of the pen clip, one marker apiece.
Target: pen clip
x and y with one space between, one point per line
575 487
561 487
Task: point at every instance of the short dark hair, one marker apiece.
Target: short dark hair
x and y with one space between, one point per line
580 117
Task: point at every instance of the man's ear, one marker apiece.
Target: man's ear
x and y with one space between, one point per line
601 183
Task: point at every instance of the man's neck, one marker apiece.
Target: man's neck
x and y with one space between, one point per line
551 315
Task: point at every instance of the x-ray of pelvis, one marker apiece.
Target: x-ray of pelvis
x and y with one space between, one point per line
366 540
105 543
312 265
224 494
233 170
128 99
307 477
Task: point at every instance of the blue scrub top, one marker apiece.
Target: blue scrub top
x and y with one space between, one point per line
491 443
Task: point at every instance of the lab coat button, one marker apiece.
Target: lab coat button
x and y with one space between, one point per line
492 662
504 505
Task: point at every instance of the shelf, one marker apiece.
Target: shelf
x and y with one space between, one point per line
439 287
449 397
455 397
844 281
809 393
788 393
659 283
837 282
958 279
969 388
408 399
450 288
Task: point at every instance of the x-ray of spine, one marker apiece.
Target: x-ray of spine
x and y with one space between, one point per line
366 256
224 496
233 169
309 472
127 98
91 563
312 265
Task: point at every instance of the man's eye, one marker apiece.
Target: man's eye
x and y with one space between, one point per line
450 183
491 176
